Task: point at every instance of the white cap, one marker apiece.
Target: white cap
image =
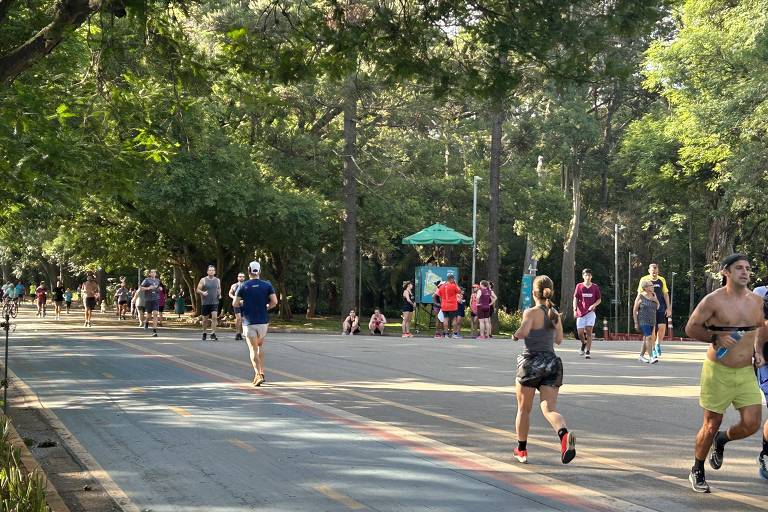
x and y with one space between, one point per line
254 267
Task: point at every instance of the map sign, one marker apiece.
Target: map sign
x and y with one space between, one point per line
425 281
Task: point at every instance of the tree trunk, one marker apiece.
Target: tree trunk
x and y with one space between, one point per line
279 264
691 281
719 245
497 120
567 275
349 191
313 287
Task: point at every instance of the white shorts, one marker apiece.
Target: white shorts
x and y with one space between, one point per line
258 331
587 320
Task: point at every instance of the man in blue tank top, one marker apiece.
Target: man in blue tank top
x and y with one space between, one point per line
254 298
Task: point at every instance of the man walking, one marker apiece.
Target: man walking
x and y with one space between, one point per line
586 298
150 287
728 318
665 306
449 305
238 314
209 289
254 298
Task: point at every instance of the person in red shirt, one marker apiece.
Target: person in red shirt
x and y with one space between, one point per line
586 298
449 304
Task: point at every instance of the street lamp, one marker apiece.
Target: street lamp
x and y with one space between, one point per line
474 226
629 287
616 301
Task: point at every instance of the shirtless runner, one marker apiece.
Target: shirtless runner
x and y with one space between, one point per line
729 319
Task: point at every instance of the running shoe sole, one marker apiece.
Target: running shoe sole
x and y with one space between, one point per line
258 381
704 488
570 453
716 458
522 459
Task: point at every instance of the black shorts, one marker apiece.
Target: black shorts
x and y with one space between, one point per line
121 302
450 314
207 309
90 303
661 316
407 308
151 305
356 331
237 310
540 369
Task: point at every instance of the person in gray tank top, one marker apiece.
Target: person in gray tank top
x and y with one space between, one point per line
538 367
209 289
644 313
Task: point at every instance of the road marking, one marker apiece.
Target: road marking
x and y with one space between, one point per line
84 363
180 411
137 390
108 375
31 399
338 497
242 445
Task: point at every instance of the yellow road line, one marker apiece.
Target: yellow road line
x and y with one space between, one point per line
242 445
137 390
180 411
338 497
584 455
108 375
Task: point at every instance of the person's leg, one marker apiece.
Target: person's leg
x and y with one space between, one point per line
706 434
548 398
525 396
256 353
588 337
661 331
583 340
155 318
214 321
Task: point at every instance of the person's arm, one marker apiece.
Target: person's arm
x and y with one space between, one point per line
599 299
665 292
636 310
383 319
493 298
237 300
760 340
558 329
232 292
575 301
199 290
525 326
219 288
272 301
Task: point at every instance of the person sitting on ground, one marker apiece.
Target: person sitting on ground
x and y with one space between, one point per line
351 324
377 323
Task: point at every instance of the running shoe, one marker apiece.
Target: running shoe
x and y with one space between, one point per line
456 336
698 482
258 380
643 359
587 356
205 336
213 337
568 447
761 462
654 360
581 352
657 348
154 333
520 456
716 455
146 325
404 335
438 335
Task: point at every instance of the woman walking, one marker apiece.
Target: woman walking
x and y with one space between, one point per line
539 368
409 305
644 312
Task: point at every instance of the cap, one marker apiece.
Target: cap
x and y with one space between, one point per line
450 275
254 267
733 258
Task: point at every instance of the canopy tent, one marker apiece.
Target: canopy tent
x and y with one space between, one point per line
437 234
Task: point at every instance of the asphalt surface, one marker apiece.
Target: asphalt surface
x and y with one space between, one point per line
372 423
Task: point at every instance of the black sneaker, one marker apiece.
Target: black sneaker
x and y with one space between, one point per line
205 336
213 337
146 325
238 337
698 482
716 455
154 333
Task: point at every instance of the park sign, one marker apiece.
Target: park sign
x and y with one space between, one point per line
425 280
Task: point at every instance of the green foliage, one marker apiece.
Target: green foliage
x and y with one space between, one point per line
20 491
510 322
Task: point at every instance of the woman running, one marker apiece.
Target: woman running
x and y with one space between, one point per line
539 368
408 308
644 312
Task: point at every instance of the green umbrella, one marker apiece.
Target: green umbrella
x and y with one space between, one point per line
438 234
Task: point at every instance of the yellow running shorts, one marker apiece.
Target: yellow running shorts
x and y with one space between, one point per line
722 386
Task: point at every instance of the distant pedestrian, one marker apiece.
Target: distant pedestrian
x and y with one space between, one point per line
255 298
162 296
485 301
351 324
438 311
449 305
377 323
644 312
209 289
20 291
41 298
150 287
473 322
409 306
665 306
539 368
238 314
122 299
90 291
462 309
586 298
180 304
58 299
68 299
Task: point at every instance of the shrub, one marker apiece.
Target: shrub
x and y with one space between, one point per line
20 491
510 322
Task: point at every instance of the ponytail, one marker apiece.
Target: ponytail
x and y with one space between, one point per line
542 290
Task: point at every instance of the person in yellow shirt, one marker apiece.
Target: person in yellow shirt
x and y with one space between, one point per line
665 306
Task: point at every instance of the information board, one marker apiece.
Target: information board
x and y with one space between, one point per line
424 282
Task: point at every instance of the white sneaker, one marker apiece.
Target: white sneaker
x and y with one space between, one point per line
587 356
581 352
643 359
654 360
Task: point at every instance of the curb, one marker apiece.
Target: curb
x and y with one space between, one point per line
52 498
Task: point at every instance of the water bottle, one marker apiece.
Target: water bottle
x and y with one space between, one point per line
721 352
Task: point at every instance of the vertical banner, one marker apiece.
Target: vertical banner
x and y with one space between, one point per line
526 291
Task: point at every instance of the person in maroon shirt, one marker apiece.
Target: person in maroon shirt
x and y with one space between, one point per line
586 298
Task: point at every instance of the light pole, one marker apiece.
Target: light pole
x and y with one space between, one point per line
474 227
616 277
629 287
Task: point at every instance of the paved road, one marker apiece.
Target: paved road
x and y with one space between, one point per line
370 423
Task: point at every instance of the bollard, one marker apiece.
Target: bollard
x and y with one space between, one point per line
606 333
